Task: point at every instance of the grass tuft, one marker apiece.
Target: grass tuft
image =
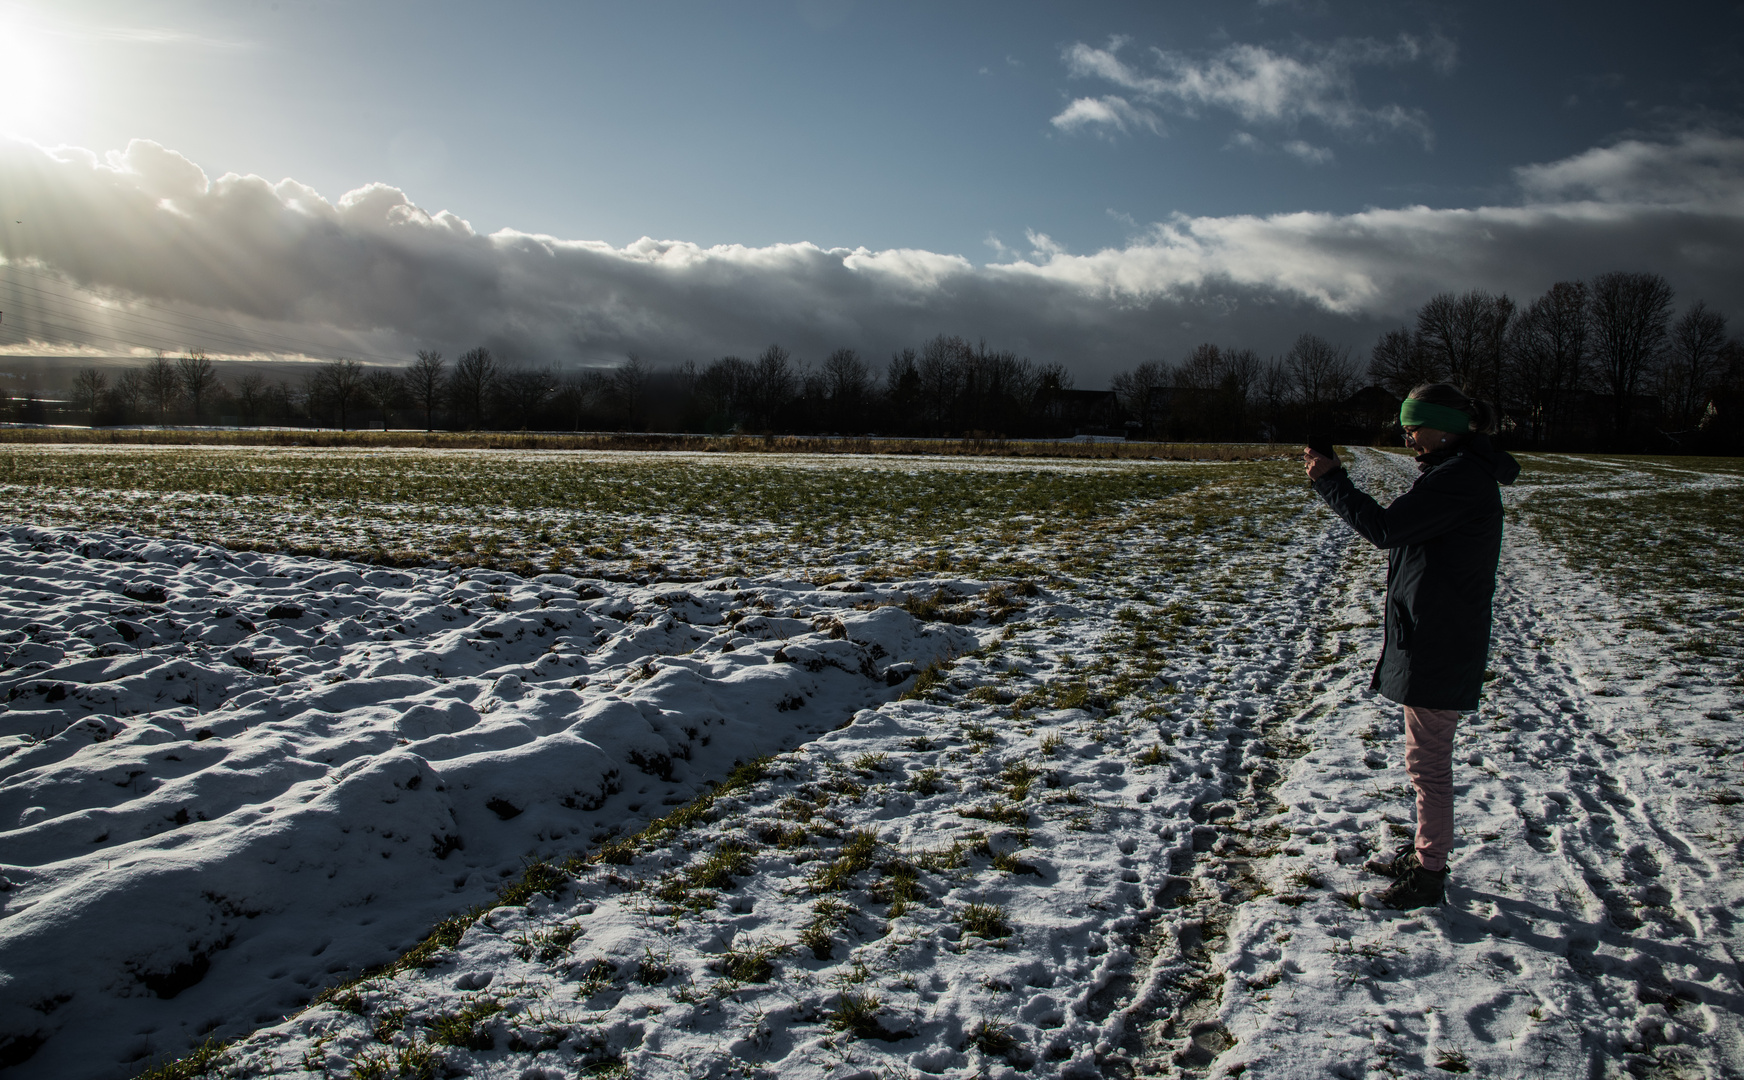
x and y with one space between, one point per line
855 858
857 1014
751 963
198 1062
992 1037
827 916
463 1029
988 921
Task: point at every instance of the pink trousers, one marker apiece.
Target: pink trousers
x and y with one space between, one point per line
1429 761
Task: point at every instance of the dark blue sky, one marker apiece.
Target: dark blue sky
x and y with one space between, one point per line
1207 166
884 125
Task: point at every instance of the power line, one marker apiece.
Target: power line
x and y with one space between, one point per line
54 302
241 336
234 335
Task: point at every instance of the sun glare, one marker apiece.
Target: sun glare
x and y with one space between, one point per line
39 90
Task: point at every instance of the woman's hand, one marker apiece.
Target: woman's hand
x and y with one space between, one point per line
1318 464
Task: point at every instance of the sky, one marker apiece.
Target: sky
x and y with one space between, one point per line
1093 183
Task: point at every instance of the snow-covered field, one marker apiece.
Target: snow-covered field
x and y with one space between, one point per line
1115 828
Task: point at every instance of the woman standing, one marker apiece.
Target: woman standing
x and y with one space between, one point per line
1443 540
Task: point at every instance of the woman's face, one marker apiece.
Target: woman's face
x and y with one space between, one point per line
1424 440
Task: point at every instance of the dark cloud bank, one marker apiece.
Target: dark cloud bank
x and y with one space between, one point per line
149 224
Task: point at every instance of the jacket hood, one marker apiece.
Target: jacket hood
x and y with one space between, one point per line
1498 463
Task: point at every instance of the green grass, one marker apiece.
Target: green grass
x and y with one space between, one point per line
464 1028
857 1014
855 857
985 921
927 782
752 963
698 514
827 916
1002 813
507 509
654 968
196 1063
1669 529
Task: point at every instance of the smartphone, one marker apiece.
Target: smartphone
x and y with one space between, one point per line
1322 445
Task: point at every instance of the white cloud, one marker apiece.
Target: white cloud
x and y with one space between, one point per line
1044 246
1262 86
147 225
1313 155
1697 169
1110 111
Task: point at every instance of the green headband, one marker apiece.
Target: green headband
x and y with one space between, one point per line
1415 413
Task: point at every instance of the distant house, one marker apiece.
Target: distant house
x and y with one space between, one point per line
1177 412
1373 410
1082 412
1593 419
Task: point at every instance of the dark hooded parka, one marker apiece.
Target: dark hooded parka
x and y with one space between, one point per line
1443 540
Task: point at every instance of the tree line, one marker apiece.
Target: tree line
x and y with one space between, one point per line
1588 364
1591 364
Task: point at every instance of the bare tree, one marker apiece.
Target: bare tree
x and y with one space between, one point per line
382 388
1141 391
724 391
1321 371
1630 313
1460 338
130 392
629 382
251 396
1693 364
773 379
161 386
902 390
338 384
1051 377
474 374
1547 355
848 386
89 386
999 388
579 393
1202 368
941 371
1396 364
197 378
424 381
1241 374
1277 387
522 392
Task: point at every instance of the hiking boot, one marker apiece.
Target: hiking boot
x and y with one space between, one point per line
1402 863
1417 888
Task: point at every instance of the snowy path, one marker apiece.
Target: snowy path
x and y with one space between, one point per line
1593 919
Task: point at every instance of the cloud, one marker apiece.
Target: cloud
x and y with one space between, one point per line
148 226
1313 155
1106 112
1261 86
1699 169
1303 151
